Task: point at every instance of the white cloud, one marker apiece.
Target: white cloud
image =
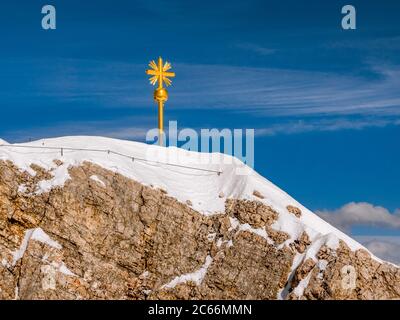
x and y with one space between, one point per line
366 214
361 214
386 248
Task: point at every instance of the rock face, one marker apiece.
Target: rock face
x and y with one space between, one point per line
104 236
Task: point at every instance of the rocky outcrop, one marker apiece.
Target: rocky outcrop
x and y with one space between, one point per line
343 274
294 210
104 236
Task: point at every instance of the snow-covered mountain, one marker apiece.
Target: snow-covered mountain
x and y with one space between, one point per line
171 223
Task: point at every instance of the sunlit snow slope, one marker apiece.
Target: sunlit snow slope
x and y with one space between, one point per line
202 188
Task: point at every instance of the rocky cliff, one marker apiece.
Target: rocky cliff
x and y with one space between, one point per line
101 233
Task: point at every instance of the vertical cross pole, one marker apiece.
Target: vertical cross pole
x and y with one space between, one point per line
160 74
160 104
161 122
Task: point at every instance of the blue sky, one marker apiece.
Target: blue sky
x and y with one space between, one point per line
325 102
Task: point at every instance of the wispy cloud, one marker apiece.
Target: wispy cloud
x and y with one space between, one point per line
260 91
371 45
111 129
273 92
361 214
137 128
293 126
260 50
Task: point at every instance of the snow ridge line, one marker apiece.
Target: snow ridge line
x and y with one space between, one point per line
113 152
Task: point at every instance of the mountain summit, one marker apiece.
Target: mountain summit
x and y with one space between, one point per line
98 218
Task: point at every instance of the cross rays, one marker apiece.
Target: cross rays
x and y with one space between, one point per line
159 73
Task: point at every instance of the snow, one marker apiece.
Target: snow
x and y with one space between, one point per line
228 243
33 234
22 188
64 270
98 180
196 277
322 264
297 260
246 227
259 231
330 240
211 236
234 223
18 254
303 284
39 235
60 176
202 188
16 292
4 263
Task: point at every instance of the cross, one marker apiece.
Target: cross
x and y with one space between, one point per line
160 73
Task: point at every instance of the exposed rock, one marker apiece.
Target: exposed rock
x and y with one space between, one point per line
110 236
124 240
254 213
58 162
351 275
302 271
189 203
278 237
258 194
294 210
301 244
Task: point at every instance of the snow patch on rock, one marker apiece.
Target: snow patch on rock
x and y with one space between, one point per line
196 277
303 284
98 180
246 227
33 234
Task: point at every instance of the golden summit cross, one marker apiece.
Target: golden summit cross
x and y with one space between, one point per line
160 73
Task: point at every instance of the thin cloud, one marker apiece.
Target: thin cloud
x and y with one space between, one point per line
260 91
371 45
260 50
324 125
275 92
111 129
